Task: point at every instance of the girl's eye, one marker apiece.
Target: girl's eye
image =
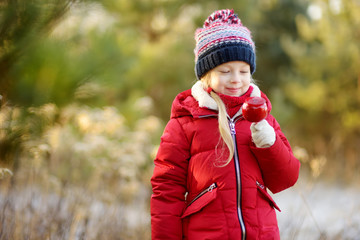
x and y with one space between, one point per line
244 72
224 71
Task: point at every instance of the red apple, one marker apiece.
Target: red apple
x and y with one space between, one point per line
254 109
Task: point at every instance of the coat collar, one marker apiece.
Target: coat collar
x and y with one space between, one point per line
205 100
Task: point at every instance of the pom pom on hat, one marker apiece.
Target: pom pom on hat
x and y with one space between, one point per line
222 39
222 16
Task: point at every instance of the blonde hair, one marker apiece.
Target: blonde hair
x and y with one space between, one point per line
224 128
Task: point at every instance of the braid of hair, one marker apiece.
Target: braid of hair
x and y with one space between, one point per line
224 129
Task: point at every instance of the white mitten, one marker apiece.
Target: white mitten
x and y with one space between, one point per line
263 134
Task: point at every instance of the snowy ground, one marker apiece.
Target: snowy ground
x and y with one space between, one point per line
311 210
314 210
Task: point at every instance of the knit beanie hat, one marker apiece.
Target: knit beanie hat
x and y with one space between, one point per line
222 39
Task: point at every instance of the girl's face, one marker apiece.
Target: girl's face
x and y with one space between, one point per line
231 78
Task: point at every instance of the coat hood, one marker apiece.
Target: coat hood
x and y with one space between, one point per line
197 102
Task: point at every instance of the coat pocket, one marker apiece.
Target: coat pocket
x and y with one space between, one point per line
267 196
201 200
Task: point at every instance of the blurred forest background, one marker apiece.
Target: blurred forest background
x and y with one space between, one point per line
86 88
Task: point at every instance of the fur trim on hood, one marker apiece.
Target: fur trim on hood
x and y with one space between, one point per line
205 100
197 102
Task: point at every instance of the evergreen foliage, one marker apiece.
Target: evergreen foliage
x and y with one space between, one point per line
100 53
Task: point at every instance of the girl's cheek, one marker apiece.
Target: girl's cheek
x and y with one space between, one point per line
223 79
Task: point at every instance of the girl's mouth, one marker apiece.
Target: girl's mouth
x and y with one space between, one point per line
233 89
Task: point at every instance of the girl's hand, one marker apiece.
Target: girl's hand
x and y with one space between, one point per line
263 134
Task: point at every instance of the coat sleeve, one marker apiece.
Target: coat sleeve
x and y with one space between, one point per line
169 183
280 168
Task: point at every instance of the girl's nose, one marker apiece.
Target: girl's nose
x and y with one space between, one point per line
235 78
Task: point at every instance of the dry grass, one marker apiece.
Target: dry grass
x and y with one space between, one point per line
86 176
32 212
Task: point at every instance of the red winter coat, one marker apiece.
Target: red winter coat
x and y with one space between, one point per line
194 198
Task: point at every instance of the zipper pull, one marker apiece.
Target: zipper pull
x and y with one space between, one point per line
212 186
260 185
232 127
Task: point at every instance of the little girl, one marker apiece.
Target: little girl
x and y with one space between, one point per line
213 168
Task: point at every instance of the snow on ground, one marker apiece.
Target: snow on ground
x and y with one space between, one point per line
311 210
315 210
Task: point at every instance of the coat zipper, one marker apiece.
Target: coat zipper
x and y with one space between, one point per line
237 171
238 177
209 115
209 189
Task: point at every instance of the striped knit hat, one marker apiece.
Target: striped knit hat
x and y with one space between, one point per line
222 39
